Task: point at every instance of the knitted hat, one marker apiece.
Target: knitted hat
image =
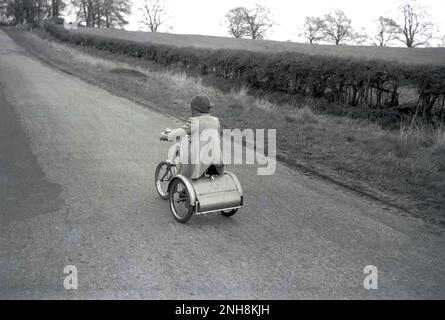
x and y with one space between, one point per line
201 103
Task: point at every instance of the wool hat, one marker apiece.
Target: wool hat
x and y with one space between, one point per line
201 103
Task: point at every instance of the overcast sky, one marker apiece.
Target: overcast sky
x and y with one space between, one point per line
207 16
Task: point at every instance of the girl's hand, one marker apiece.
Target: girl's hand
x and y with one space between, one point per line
164 137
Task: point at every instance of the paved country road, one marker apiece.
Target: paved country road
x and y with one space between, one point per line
76 188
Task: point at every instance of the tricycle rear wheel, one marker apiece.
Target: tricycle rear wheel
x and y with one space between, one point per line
229 213
180 205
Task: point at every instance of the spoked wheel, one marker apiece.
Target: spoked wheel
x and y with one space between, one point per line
164 173
229 213
180 205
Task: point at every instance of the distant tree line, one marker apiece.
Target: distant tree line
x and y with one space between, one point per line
102 13
412 27
93 13
89 13
30 11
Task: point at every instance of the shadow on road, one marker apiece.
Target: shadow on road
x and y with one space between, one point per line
24 190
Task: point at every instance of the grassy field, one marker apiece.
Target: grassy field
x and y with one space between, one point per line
405 168
403 55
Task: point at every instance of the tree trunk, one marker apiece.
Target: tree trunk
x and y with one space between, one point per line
86 13
55 8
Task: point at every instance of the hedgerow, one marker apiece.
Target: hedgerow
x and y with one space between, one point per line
355 82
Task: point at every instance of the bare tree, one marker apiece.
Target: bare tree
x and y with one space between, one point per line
387 30
15 9
115 11
98 10
258 21
4 10
88 11
84 11
337 28
313 29
154 12
253 22
236 23
18 8
415 28
56 6
27 11
100 13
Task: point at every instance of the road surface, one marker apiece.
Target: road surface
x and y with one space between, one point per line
76 188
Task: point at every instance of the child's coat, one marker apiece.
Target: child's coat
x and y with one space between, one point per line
203 147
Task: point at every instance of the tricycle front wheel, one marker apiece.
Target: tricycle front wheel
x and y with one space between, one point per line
165 171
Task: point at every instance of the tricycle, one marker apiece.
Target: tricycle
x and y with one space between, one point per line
213 191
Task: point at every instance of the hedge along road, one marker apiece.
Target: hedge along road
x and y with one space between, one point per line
77 165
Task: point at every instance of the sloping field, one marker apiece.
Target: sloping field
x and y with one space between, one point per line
403 55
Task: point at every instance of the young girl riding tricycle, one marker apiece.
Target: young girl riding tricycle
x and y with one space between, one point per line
194 178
